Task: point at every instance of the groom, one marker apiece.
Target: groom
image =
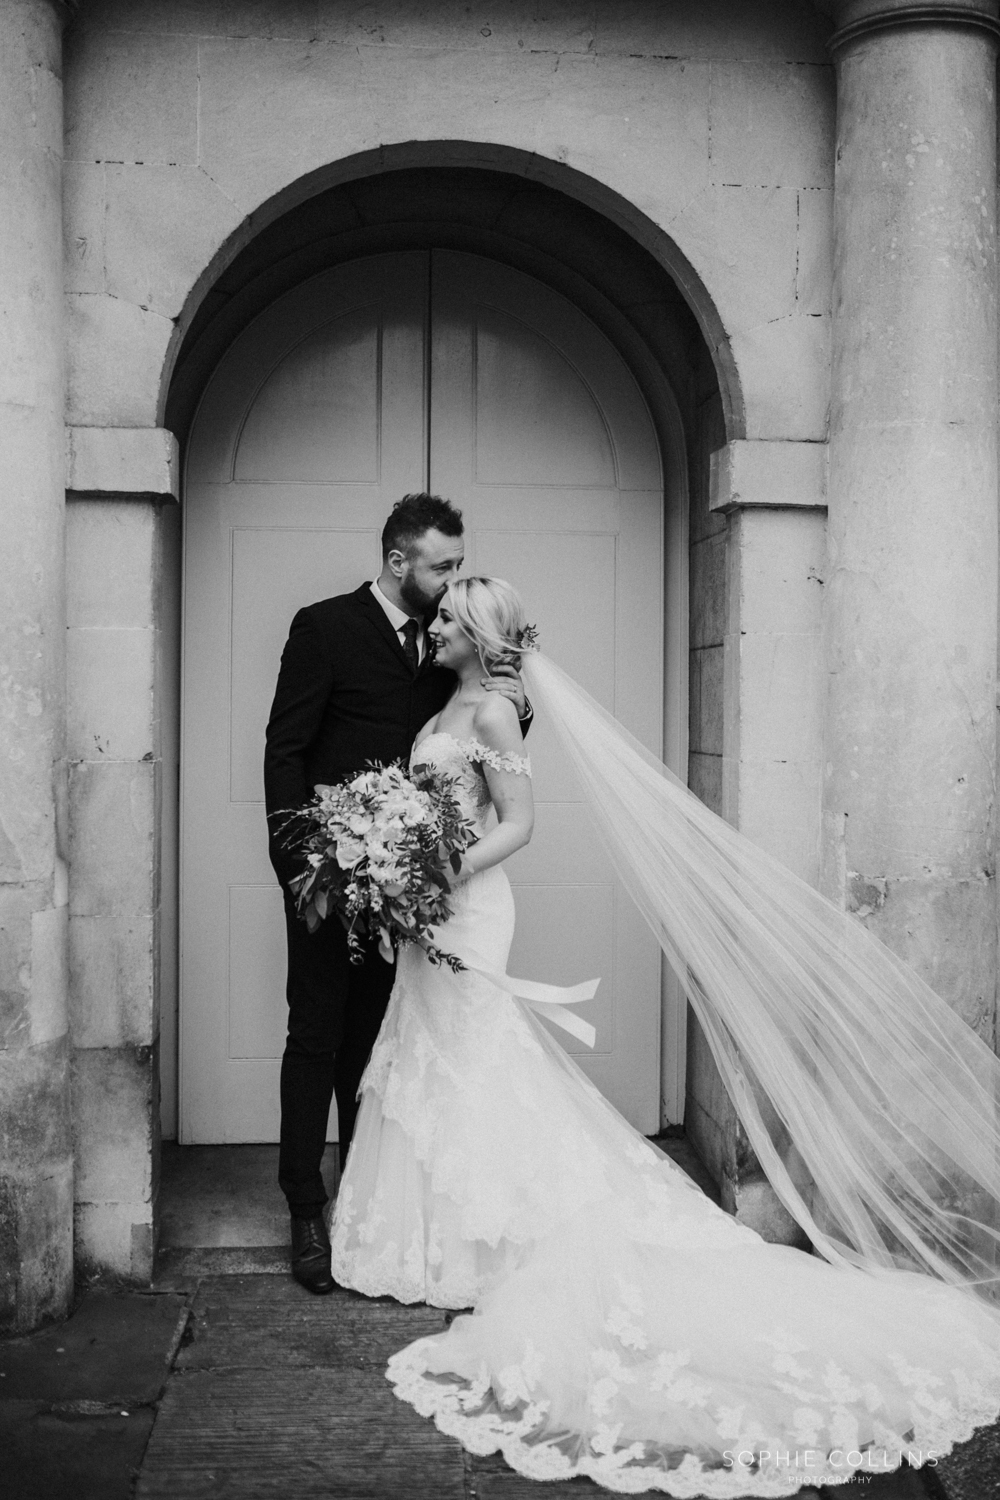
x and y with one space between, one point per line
356 683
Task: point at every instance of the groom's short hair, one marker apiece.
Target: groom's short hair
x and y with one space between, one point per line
414 515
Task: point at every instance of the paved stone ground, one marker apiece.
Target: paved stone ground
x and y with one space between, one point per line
78 1400
275 1392
225 1386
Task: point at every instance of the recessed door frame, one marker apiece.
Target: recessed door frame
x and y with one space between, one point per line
669 426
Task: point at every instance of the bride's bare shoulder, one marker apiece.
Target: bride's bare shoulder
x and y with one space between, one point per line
496 723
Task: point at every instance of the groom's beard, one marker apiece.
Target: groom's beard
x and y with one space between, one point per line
422 604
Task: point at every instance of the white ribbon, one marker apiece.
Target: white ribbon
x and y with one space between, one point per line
550 1000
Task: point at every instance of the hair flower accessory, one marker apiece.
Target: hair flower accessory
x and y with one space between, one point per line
527 638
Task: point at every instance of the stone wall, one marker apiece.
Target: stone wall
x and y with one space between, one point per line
715 123
705 131
116 693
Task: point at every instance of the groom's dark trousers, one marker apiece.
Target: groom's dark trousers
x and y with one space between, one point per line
345 695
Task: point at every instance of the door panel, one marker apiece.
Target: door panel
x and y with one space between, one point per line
540 431
311 427
317 420
326 388
525 386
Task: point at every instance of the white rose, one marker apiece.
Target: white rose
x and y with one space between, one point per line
349 851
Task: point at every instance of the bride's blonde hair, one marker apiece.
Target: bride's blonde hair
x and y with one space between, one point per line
490 612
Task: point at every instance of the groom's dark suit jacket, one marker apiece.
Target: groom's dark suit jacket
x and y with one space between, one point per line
345 695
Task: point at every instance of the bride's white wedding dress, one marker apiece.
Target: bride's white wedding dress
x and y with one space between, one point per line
625 1328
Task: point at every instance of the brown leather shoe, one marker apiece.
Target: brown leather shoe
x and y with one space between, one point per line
311 1255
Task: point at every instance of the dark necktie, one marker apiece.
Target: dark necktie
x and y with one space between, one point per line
410 630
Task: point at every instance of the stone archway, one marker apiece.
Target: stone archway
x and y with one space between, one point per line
595 264
518 206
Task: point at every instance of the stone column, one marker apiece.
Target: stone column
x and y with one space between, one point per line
911 614
36 1166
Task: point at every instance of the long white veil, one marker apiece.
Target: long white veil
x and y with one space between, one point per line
871 1106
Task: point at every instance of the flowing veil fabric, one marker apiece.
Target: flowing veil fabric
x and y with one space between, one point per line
872 1107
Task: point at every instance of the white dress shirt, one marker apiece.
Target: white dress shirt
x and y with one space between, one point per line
397 619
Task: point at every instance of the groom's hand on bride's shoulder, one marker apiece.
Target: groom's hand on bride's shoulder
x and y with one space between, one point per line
506 679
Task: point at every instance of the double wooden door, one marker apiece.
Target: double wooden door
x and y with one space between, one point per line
402 372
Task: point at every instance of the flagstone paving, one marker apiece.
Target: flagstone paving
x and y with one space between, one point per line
275 1392
224 1386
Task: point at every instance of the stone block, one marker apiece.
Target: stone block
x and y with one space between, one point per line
252 144
18 904
756 1204
773 124
115 353
11 868
113 1239
263 18
115 1349
519 25
113 1092
110 694
785 30
710 1122
930 811
743 240
775 671
640 125
694 701
112 838
36 1186
814 276
144 266
47 1007
34 1109
32 963
705 779
112 989
706 714
111 573
83 225
708 591
781 689
780 806
785 373
140 461
108 97
781 567
946 929
766 476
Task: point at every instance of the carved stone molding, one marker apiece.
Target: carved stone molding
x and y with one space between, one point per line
884 18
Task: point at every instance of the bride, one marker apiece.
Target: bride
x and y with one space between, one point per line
624 1327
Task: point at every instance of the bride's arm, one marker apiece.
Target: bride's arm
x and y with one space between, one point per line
496 726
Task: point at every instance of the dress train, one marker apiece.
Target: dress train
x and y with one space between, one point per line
624 1327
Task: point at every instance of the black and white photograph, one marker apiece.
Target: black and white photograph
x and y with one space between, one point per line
499 636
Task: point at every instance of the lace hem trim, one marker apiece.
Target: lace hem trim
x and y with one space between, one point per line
455 1294
637 1468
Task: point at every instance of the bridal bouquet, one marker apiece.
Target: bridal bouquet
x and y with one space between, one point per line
376 850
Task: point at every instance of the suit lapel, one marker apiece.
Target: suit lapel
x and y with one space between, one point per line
371 608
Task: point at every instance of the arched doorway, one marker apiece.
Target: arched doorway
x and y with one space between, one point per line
394 372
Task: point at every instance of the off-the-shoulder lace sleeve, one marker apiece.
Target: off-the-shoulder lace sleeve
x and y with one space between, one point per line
520 765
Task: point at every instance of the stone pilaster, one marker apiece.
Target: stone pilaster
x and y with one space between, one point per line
36 1166
770 734
911 613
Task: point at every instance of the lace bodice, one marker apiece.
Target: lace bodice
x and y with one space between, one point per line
460 759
